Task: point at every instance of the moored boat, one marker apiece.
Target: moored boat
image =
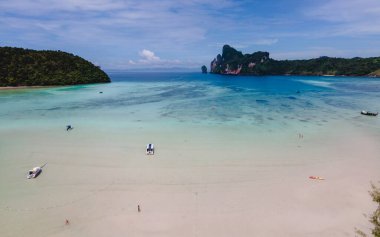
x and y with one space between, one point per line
150 149
369 113
33 173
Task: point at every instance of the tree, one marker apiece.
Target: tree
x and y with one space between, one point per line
25 67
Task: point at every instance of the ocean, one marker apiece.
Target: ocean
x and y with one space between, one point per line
265 104
233 156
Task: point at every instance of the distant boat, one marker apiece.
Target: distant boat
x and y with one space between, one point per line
33 173
368 113
150 149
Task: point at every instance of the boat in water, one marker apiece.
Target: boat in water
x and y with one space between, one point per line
368 113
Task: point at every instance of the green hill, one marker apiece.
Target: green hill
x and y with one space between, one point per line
259 63
25 67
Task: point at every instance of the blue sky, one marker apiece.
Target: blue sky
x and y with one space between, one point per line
131 34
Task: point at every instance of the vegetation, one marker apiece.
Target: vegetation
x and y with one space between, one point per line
375 216
204 69
25 67
259 63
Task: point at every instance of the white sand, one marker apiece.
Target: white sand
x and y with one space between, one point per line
199 183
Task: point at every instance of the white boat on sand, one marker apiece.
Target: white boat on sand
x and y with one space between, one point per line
150 149
33 173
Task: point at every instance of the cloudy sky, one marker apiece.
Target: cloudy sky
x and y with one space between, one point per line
130 34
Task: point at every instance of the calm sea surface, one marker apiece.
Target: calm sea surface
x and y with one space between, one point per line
270 103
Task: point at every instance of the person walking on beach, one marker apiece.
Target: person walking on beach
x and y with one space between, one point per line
138 208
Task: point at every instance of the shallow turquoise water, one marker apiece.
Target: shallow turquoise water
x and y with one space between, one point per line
273 103
231 141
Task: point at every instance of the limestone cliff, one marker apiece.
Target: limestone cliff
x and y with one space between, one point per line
233 62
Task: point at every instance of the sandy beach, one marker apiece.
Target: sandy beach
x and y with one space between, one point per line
191 186
21 87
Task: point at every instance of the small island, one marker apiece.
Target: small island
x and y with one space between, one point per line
26 67
204 69
233 62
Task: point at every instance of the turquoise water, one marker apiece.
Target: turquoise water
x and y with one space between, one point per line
226 146
273 103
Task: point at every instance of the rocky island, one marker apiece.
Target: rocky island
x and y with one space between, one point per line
26 67
233 62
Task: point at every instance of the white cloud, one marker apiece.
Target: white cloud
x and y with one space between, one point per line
148 55
347 10
348 17
110 31
37 7
265 41
163 23
149 59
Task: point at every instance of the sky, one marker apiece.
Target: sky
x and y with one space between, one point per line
137 34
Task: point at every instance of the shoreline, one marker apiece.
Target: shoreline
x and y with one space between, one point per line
23 87
297 75
226 163
50 86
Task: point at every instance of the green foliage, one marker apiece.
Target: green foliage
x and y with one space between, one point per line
375 217
24 67
231 53
259 63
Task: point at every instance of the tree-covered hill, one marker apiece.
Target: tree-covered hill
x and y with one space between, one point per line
25 67
259 63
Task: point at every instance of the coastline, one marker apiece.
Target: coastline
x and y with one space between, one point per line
49 86
24 87
303 75
232 61
229 160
